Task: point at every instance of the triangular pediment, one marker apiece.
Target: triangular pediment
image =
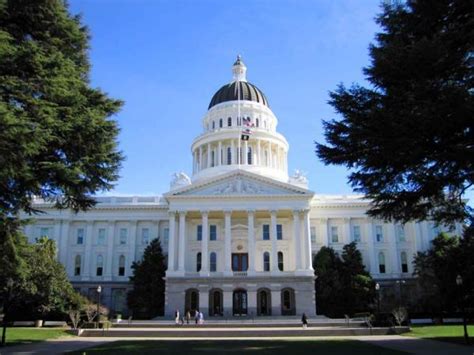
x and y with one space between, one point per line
241 183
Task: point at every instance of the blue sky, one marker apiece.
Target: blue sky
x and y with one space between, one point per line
166 59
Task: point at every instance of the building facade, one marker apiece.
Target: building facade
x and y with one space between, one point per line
240 234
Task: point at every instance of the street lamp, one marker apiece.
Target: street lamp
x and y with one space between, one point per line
459 283
99 290
377 290
400 284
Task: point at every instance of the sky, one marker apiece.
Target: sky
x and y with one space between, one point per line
166 59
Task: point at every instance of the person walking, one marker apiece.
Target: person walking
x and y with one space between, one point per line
196 316
201 318
188 317
304 320
176 317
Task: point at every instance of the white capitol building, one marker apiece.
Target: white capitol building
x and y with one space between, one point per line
240 234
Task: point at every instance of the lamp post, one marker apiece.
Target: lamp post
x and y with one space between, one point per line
377 290
459 282
400 284
99 290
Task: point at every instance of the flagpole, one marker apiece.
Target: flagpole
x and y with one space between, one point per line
238 118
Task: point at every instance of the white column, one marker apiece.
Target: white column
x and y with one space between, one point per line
204 244
307 242
251 241
259 153
219 154
172 241
208 155
270 155
346 231
273 238
227 242
232 152
132 247
200 165
64 241
182 240
245 153
371 245
297 239
324 229
393 245
88 251
418 242
110 251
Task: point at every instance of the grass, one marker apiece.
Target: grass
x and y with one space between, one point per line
274 347
16 336
453 333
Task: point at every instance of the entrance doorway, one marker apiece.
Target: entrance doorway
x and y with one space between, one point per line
191 303
264 303
215 303
239 303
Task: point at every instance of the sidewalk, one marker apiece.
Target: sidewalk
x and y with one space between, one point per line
407 344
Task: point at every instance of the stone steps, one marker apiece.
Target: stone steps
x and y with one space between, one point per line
203 332
233 324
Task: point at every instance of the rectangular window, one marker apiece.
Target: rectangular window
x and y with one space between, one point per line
313 235
382 268
166 235
99 270
279 232
44 232
378 234
123 236
199 232
266 232
121 271
101 236
401 232
145 236
356 230
334 235
80 236
212 232
404 267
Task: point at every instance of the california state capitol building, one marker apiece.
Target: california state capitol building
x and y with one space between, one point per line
240 234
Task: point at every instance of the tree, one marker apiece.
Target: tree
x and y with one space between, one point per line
343 286
408 137
147 298
57 140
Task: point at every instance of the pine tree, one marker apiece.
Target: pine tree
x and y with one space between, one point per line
409 137
147 298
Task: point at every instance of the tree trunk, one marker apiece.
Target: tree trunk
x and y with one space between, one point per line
4 333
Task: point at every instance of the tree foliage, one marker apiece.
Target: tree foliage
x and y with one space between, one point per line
57 138
343 286
438 267
409 137
147 298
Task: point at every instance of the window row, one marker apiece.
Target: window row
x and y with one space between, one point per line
123 236
238 122
403 262
357 236
265 232
239 261
99 265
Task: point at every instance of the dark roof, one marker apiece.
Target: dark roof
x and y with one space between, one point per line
248 92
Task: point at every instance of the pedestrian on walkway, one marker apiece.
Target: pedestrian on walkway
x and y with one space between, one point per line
196 316
176 317
188 317
304 320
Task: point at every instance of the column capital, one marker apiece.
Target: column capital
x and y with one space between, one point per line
227 211
172 213
204 213
273 212
182 213
250 211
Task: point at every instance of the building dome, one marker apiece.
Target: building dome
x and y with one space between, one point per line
239 87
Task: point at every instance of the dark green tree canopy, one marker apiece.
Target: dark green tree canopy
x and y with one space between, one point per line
57 138
409 137
147 298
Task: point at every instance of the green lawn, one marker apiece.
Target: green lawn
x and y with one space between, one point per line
274 347
17 336
450 333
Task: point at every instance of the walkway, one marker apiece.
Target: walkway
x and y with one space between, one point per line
407 344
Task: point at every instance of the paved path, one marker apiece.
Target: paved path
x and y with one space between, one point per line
408 344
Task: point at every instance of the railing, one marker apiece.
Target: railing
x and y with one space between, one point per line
240 273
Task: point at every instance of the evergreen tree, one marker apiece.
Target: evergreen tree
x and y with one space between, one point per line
57 138
147 298
343 286
409 137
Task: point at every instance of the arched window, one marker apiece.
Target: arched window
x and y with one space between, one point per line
266 261
249 156
100 265
213 124
229 121
381 263
220 123
121 269
213 262
198 262
229 155
256 122
404 260
213 161
280 261
286 299
77 265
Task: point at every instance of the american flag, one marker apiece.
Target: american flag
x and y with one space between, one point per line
246 131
